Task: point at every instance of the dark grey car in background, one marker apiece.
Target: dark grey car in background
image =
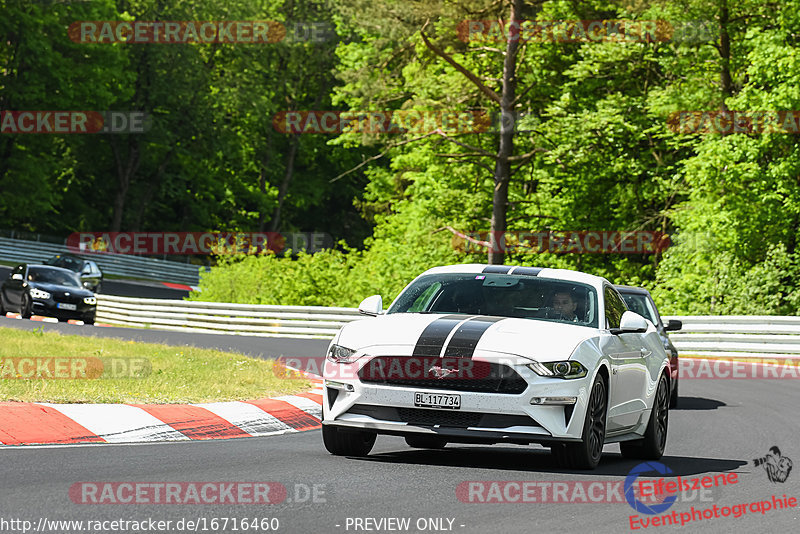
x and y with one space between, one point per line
640 301
88 271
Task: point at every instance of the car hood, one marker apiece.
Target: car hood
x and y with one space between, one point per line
59 290
398 334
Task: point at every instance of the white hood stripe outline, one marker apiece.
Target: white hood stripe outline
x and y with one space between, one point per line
431 341
467 335
461 335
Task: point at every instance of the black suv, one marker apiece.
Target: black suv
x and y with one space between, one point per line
89 272
640 301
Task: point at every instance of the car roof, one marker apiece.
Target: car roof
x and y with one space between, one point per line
540 272
53 267
632 290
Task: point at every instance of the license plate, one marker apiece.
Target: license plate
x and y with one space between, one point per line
65 306
437 400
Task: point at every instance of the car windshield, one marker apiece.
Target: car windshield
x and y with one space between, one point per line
52 276
640 304
500 295
66 262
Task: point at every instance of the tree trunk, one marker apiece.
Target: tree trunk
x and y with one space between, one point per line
287 179
125 172
502 168
726 83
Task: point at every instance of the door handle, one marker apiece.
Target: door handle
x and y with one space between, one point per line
645 353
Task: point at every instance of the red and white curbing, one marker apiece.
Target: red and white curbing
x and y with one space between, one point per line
182 287
44 423
11 315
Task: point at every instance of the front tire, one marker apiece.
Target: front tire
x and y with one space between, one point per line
652 445
26 308
347 442
426 442
587 453
673 399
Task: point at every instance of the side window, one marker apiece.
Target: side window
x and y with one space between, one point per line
95 268
653 315
615 307
421 304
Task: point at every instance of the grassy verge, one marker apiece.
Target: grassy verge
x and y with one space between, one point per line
162 373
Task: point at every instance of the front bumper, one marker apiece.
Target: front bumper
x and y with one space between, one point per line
483 417
49 308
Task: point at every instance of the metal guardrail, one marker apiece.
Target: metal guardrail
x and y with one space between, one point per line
751 336
17 250
224 318
723 336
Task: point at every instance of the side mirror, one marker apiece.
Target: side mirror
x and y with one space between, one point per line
87 285
371 305
16 276
673 325
631 323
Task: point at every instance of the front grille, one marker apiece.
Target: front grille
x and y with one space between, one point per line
416 416
455 374
448 418
72 299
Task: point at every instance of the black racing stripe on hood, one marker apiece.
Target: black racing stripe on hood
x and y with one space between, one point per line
432 339
527 271
466 337
497 269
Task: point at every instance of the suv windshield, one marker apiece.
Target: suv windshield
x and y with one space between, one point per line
66 262
52 276
500 295
640 304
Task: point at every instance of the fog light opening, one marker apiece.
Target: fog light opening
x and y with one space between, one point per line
553 401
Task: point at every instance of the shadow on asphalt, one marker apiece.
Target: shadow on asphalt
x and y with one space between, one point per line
697 403
539 460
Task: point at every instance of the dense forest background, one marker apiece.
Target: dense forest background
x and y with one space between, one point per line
597 152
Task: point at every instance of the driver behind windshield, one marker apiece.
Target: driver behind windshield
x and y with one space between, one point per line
564 303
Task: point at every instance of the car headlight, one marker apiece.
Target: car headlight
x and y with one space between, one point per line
39 294
565 369
90 300
340 354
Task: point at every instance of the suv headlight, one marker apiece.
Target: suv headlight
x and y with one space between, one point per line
340 354
39 294
90 300
565 369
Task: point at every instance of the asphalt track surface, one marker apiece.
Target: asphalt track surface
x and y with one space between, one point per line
720 427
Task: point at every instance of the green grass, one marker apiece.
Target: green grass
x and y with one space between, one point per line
171 374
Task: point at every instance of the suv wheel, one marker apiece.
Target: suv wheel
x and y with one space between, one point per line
652 445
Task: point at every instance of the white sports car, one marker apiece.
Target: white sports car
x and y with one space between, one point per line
489 354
